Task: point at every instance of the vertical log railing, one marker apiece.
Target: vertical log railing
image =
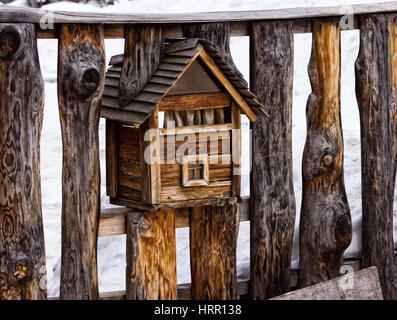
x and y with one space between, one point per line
272 190
325 224
22 253
81 68
376 76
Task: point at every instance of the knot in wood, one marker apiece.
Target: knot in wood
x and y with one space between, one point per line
328 162
21 271
10 41
343 231
90 81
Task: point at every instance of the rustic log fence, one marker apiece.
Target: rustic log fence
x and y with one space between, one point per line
325 229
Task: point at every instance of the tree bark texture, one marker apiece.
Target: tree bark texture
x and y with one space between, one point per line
81 69
144 46
22 249
325 225
213 245
151 256
272 192
376 83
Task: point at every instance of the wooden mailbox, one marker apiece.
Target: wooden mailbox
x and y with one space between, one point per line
173 141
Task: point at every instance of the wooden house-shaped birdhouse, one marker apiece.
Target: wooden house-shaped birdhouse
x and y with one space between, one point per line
177 140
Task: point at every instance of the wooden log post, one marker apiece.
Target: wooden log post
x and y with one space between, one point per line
81 70
144 48
376 84
213 230
325 225
22 250
151 256
272 193
213 244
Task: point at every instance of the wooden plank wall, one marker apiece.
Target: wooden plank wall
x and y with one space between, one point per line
129 174
216 144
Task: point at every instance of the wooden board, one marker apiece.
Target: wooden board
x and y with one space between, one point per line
22 248
29 15
150 160
151 256
376 76
236 150
111 158
81 75
360 285
195 101
212 190
325 223
272 193
213 244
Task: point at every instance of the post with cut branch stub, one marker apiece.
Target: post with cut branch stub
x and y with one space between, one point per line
22 251
81 70
325 225
376 84
151 256
272 194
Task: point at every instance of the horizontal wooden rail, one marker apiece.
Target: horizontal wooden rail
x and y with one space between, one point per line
114 23
28 15
113 221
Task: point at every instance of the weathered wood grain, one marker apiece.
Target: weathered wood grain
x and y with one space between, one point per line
22 250
179 203
325 225
144 48
111 158
272 193
360 285
376 76
150 160
236 149
213 244
151 256
28 15
194 102
81 70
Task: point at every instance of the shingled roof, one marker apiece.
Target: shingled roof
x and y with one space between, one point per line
177 57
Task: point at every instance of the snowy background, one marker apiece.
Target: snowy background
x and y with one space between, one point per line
111 250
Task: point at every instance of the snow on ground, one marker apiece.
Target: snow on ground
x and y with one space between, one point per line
111 250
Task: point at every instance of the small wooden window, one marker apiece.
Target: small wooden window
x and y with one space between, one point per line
195 170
